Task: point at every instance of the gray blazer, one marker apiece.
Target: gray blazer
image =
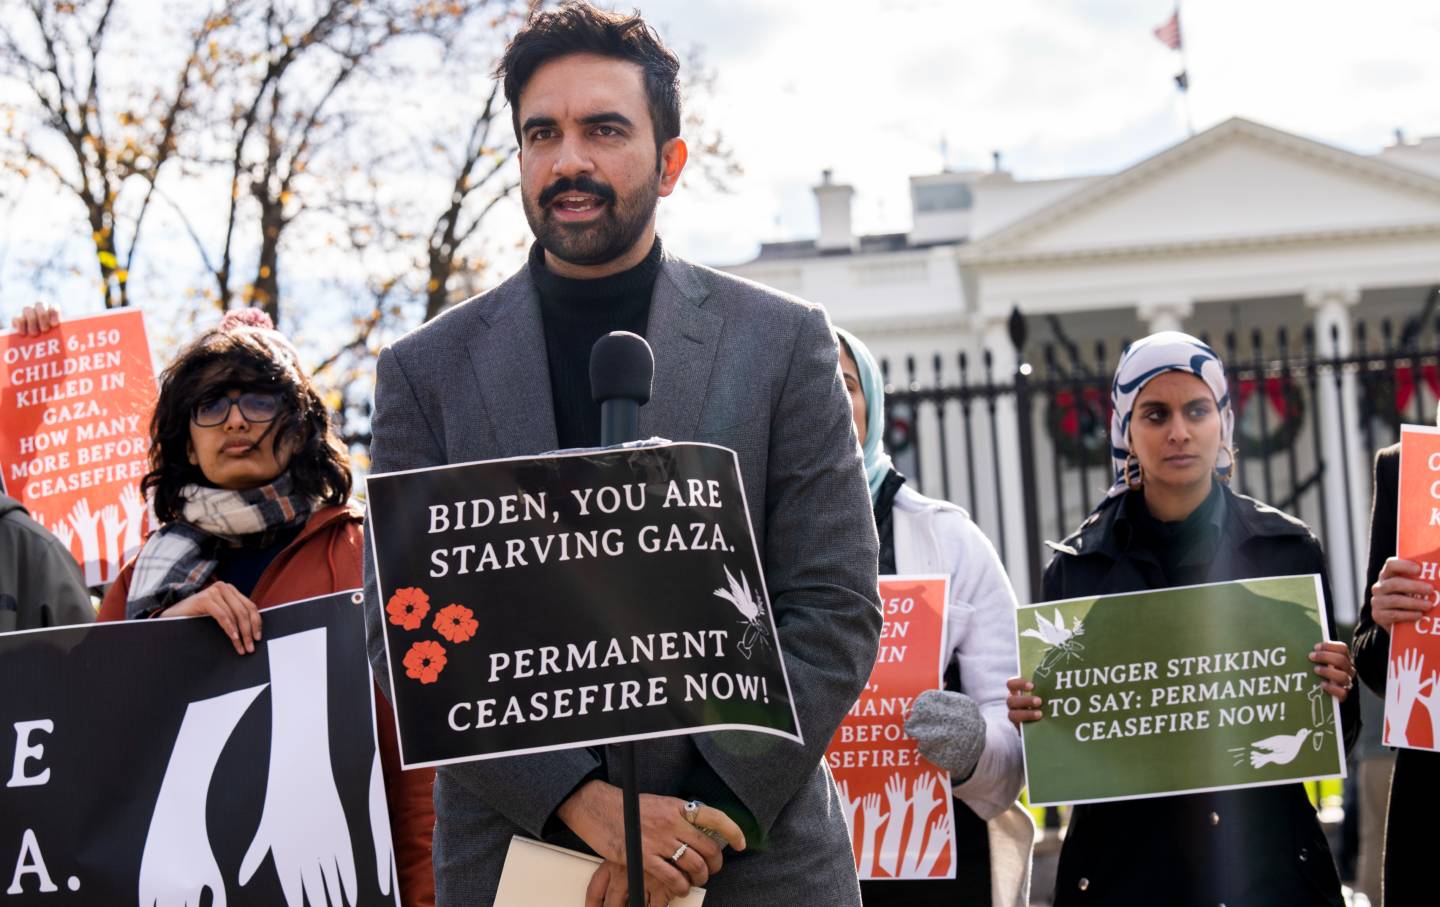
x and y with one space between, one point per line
736 364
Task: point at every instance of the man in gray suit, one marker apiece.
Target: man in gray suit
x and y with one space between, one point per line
595 102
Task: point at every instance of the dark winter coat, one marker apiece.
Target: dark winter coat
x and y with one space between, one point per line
40 583
1261 846
1410 819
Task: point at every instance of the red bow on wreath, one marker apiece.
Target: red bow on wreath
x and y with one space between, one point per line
1405 383
1069 422
1275 392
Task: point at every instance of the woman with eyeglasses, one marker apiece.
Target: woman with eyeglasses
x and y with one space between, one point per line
251 490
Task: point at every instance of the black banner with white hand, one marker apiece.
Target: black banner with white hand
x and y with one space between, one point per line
573 599
146 760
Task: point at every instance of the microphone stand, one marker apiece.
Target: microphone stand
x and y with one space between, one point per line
619 423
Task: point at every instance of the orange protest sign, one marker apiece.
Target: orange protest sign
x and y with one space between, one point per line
898 805
1412 688
75 405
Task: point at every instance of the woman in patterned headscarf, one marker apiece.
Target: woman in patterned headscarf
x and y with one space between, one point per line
1171 519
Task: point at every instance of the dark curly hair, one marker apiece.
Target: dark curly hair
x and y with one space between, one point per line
246 357
577 27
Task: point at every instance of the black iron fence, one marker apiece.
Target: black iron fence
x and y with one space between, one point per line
1028 452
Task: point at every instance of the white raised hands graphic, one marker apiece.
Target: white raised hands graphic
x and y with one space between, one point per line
871 806
64 533
1431 701
114 550
380 827
302 823
848 805
177 864
135 510
899 805
939 839
1401 692
925 803
85 524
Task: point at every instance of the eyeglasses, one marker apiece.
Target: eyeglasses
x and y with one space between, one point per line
254 407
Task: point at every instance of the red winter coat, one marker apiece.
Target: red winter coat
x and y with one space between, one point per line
324 558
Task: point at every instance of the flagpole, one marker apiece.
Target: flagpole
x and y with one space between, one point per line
1184 73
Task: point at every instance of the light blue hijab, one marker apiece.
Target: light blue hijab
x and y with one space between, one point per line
872 383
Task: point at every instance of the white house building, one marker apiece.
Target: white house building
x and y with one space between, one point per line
1240 228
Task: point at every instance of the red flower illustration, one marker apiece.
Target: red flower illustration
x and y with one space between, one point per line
456 623
425 661
408 607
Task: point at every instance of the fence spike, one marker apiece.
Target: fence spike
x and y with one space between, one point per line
1018 330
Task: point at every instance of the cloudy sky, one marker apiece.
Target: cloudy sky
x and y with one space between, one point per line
1060 87
872 88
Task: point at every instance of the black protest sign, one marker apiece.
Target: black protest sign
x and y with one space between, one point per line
147 757
566 600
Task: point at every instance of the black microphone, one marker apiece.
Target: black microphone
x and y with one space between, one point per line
622 371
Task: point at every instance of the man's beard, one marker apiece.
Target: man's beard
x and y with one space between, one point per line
596 242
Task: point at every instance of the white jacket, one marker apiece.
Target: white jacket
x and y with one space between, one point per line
937 537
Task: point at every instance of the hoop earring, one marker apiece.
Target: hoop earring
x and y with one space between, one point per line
1234 464
1134 478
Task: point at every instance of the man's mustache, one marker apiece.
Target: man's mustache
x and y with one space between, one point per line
580 184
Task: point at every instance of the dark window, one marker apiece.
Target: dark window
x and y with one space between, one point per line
943 197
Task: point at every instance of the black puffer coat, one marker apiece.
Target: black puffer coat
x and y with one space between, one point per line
1262 846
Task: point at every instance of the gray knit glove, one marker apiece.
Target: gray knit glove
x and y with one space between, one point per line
949 729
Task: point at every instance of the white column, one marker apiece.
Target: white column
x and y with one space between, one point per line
1010 486
1165 315
1346 471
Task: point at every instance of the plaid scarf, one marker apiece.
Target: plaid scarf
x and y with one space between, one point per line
179 558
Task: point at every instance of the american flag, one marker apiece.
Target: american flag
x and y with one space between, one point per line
1169 33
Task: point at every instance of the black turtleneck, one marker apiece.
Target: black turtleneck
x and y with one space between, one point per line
576 313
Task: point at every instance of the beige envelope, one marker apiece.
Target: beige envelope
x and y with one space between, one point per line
537 874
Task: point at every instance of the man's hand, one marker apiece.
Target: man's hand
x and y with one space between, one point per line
36 319
596 814
610 887
1399 595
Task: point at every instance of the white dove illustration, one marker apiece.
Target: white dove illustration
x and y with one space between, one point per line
1053 634
750 607
1278 750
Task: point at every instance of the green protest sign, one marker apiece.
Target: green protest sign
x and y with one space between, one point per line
1178 690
